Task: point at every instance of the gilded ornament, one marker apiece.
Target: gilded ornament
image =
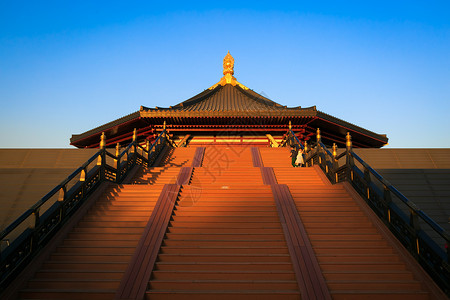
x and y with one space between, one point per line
228 71
228 64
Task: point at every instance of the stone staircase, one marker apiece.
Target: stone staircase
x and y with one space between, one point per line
90 262
229 235
92 259
355 258
225 239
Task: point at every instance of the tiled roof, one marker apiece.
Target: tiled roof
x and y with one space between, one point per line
225 99
95 131
215 106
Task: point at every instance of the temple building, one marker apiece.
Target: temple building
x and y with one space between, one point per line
229 113
203 200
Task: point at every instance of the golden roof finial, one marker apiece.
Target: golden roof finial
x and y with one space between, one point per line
228 64
228 72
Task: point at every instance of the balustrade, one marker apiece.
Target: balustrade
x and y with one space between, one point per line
402 217
29 233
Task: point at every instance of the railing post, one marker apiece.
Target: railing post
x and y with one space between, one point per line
414 223
102 145
367 180
147 147
83 182
83 175
164 129
117 162
134 140
134 135
335 163
33 226
318 136
348 157
319 139
306 153
102 141
61 198
387 199
102 157
134 148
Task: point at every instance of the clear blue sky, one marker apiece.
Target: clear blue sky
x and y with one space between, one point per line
69 66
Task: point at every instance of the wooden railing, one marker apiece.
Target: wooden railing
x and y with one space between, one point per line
405 220
29 233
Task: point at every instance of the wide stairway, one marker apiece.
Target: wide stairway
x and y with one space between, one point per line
354 256
231 235
225 239
91 261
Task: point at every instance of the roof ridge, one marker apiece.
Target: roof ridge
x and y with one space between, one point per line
258 97
198 98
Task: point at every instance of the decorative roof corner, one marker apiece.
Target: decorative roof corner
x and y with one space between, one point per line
228 72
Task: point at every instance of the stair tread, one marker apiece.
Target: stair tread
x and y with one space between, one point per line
222 291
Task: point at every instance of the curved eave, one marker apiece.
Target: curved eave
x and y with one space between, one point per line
111 128
373 139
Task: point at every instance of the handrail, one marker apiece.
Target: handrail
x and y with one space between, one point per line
428 252
125 150
27 244
441 231
325 149
44 199
291 132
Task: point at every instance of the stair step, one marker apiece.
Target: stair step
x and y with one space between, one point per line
231 257
242 224
224 213
90 258
393 285
145 212
69 294
68 265
221 250
231 219
224 275
97 243
262 207
78 274
379 294
240 267
333 231
226 237
119 224
80 284
345 237
346 244
366 275
223 295
222 285
95 250
224 201
130 208
226 244
324 219
108 230
104 236
362 258
353 251
237 231
356 266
